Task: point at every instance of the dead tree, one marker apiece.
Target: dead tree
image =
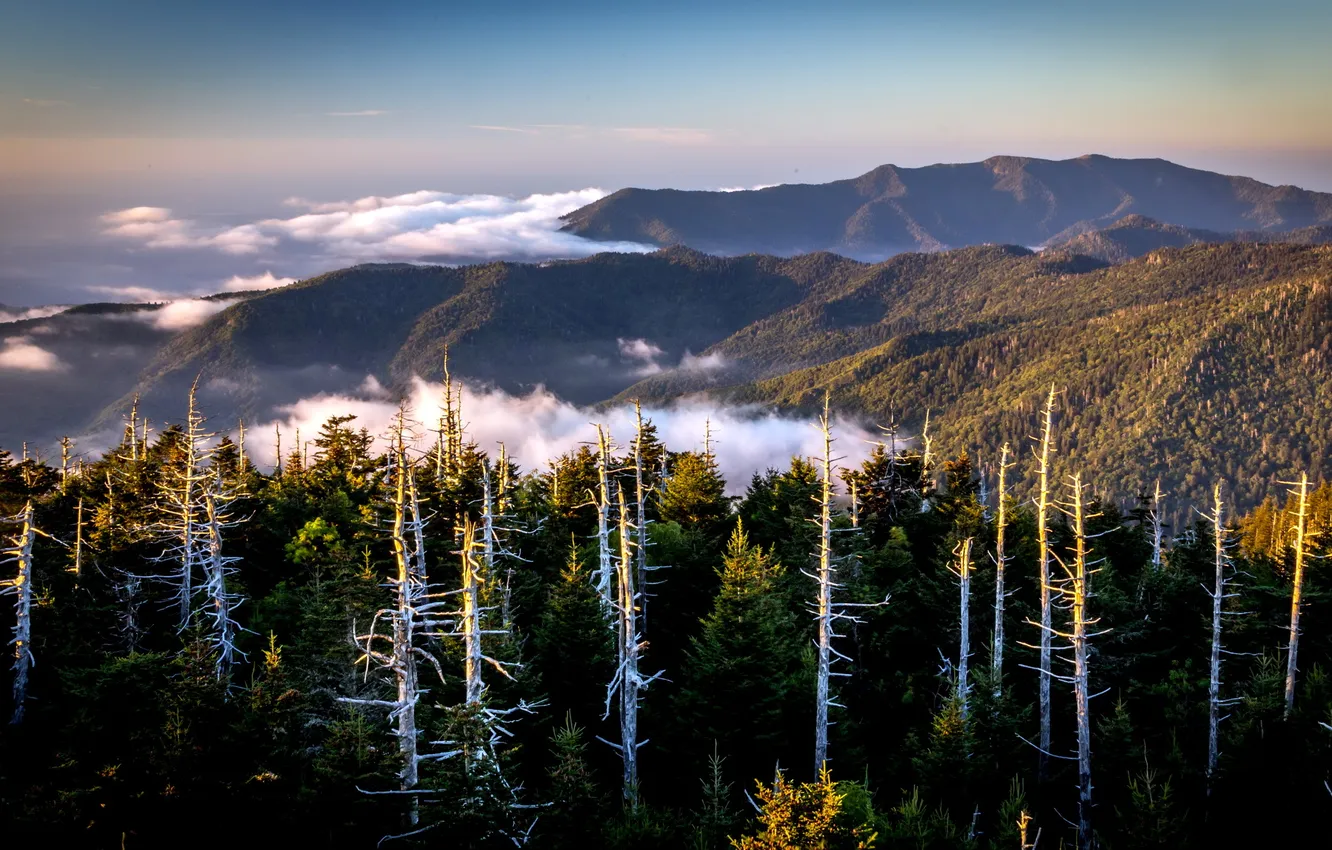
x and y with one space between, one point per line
1221 546
827 611
605 569
410 619
484 726
1043 562
1155 518
1301 544
963 572
640 518
181 503
1000 566
77 567
1073 589
628 682
65 445
449 443
18 551
220 602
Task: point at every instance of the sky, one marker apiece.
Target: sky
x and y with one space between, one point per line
221 113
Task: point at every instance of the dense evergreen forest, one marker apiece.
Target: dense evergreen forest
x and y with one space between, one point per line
404 634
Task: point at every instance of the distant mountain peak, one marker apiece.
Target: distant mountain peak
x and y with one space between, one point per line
1003 199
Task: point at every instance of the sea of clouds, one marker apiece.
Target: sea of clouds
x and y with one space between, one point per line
417 226
538 427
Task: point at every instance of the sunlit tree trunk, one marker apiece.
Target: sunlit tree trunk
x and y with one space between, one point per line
1301 542
627 601
19 552
605 558
1000 567
1156 525
1077 592
640 519
963 573
1222 566
1043 562
824 602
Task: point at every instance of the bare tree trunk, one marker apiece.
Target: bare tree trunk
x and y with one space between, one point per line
1000 565
640 518
963 573
1156 525
404 660
1077 594
217 567
181 502
65 445
78 543
1296 598
19 552
1043 542
823 601
1221 561
630 641
470 625
188 507
605 569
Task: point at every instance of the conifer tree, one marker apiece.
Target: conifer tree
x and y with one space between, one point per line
742 670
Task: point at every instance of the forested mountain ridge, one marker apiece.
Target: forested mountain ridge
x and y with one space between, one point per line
1135 235
516 325
1177 363
975 335
1005 200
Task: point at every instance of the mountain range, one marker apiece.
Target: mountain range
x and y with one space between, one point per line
1180 351
1003 200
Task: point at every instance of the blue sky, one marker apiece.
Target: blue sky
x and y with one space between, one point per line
683 93
211 116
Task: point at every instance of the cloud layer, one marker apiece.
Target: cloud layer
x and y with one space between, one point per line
24 313
19 354
538 427
424 225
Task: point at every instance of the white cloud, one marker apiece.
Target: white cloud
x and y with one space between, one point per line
746 188
642 352
44 103
647 357
538 427
19 354
155 228
702 362
267 280
134 294
360 113
180 315
415 226
24 313
499 128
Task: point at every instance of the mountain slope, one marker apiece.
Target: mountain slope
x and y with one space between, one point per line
1190 363
1211 361
1136 235
1005 200
515 325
